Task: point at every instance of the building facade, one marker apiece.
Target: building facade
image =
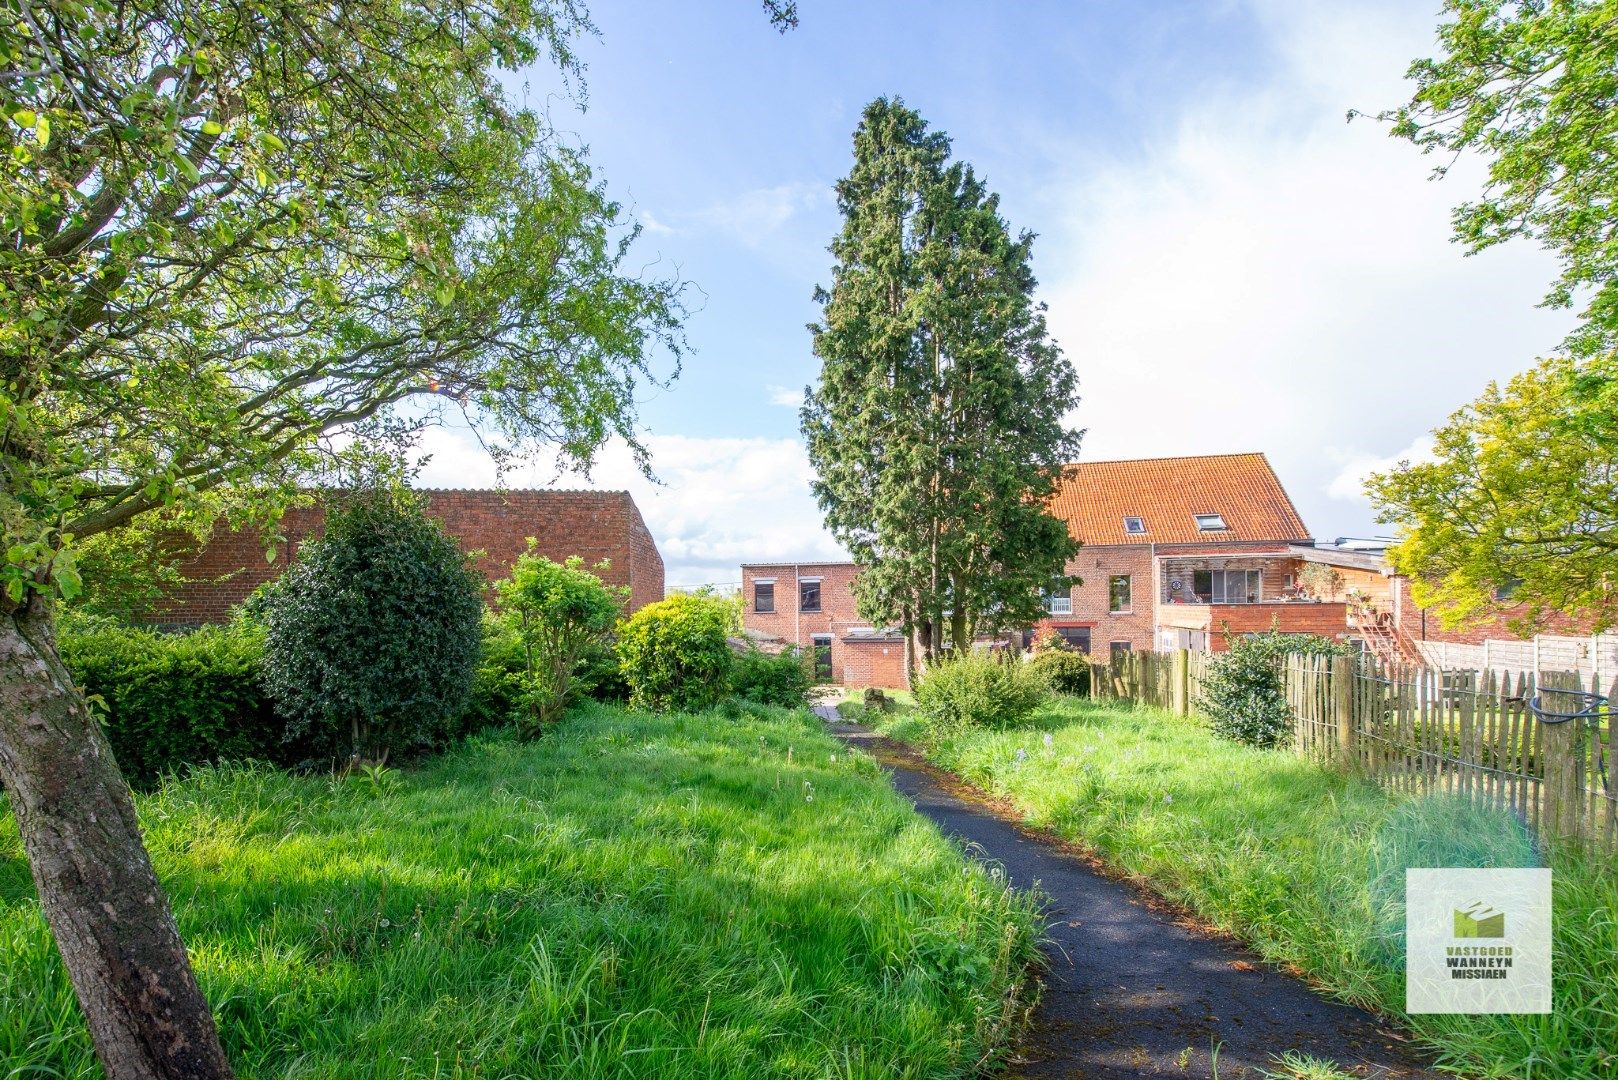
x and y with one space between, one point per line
810 606
597 526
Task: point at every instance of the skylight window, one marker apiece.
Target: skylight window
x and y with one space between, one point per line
1210 522
1134 525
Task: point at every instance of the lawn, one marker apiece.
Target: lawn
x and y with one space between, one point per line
1305 863
714 896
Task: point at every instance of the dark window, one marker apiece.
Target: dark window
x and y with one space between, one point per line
1118 593
1134 525
1227 586
822 645
1121 647
808 596
1077 637
764 596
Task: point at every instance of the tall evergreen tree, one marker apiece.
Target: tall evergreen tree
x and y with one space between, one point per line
936 430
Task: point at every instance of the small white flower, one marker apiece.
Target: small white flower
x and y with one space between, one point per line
385 924
1167 797
1047 740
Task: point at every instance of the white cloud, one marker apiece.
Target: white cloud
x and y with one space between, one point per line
722 501
654 226
1354 469
757 218
785 396
1265 276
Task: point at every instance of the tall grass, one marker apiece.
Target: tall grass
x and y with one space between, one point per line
632 896
1305 863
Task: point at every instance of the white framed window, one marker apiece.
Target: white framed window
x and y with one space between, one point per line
1210 522
1134 526
1059 603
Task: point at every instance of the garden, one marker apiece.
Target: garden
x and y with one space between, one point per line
1216 813
409 834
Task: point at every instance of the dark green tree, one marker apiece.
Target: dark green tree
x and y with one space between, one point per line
936 430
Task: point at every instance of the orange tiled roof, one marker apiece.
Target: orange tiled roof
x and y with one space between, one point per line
1094 497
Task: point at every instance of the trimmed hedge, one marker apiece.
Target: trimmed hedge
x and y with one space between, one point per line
1064 671
782 679
172 700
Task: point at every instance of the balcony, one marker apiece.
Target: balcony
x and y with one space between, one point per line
1290 616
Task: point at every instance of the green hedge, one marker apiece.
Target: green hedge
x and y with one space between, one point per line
172 700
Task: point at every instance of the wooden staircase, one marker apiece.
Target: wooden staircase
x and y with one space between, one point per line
1383 638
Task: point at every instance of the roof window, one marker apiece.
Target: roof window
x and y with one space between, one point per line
1134 525
1210 522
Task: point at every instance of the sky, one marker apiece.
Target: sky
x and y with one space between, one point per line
1229 264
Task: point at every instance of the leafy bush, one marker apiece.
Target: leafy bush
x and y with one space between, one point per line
771 679
1242 692
600 676
557 611
977 690
497 682
374 632
1064 671
674 654
172 700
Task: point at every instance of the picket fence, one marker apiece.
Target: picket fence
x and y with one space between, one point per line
1423 730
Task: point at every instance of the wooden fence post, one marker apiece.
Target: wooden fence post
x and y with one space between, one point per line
1182 682
1342 690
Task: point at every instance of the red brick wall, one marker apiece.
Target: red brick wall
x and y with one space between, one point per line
1091 600
837 614
604 525
1409 617
1327 620
872 663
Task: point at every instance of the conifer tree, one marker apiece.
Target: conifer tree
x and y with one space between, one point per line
936 430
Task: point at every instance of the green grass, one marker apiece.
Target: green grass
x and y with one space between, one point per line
632 896
1305 863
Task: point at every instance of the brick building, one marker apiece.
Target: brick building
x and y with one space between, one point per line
811 606
595 525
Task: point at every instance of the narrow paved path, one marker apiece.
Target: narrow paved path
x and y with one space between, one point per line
1135 988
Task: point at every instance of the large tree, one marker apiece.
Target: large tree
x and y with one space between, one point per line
1531 88
232 226
936 430
1521 496
1520 501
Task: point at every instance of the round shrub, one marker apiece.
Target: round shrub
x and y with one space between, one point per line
779 679
374 633
673 654
977 690
1243 693
1064 671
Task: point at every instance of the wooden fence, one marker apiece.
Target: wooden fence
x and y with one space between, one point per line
1423 730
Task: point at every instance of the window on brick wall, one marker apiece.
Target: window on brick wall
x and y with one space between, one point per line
1118 594
1077 637
809 594
1059 602
764 596
1121 647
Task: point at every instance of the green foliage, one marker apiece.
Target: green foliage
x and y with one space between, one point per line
674 653
231 228
936 429
1064 670
374 632
1304 863
1243 694
1532 89
169 701
631 896
1520 497
497 684
781 679
1321 581
558 611
977 690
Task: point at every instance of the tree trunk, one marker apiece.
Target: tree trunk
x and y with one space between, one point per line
113 927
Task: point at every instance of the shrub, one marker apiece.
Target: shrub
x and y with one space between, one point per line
557 611
374 633
600 675
497 682
1242 692
977 690
1064 671
1049 641
172 700
674 654
771 679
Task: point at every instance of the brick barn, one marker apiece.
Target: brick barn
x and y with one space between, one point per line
595 525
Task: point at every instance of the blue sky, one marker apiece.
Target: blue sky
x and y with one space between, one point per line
1229 265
